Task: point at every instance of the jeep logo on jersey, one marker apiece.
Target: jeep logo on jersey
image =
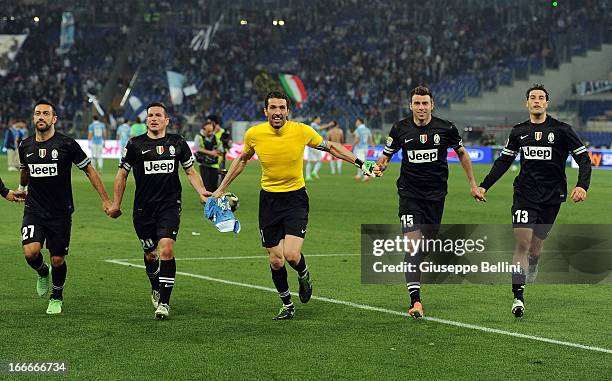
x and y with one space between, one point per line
423 138
436 139
42 152
54 154
537 153
422 156
538 135
172 150
43 170
159 150
551 137
158 166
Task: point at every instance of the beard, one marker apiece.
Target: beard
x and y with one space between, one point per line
45 128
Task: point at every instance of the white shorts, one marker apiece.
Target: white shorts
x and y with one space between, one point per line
96 150
314 154
361 153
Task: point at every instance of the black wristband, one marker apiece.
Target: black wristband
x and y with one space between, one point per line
358 163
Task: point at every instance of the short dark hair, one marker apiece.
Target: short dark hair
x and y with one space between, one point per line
277 95
157 104
536 86
361 119
46 102
214 118
95 117
421 90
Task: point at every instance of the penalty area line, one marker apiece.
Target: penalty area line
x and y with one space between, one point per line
386 311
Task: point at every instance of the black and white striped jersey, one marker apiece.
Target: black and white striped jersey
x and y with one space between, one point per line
155 163
544 149
49 168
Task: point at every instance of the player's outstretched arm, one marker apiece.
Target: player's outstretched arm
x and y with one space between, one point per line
339 151
236 168
118 190
95 180
196 182
466 163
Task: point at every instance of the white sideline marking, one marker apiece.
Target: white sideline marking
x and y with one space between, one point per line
387 311
262 256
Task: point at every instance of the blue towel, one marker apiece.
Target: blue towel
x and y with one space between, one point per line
218 211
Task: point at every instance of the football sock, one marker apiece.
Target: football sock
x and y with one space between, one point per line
518 284
317 167
413 278
167 272
300 267
59 278
152 269
332 165
533 260
39 265
279 277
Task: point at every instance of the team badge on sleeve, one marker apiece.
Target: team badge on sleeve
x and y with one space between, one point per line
389 141
159 150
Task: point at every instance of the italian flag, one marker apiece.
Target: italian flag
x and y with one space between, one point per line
293 87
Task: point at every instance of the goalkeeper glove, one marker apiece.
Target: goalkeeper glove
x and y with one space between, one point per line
365 166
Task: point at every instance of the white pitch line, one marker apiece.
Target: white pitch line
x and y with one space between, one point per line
262 256
387 311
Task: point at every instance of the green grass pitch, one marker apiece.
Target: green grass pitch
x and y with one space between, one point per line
224 330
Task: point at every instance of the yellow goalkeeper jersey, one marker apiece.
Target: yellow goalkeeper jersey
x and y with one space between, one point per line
281 153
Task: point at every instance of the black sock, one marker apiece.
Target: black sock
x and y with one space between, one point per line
167 272
533 260
39 265
300 267
518 284
59 278
413 278
152 272
279 277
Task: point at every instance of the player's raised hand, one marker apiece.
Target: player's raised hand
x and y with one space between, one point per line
578 194
479 193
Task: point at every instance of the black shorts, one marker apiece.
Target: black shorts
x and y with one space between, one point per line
55 231
282 213
153 224
540 218
421 215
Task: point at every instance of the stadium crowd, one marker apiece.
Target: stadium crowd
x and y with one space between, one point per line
446 44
